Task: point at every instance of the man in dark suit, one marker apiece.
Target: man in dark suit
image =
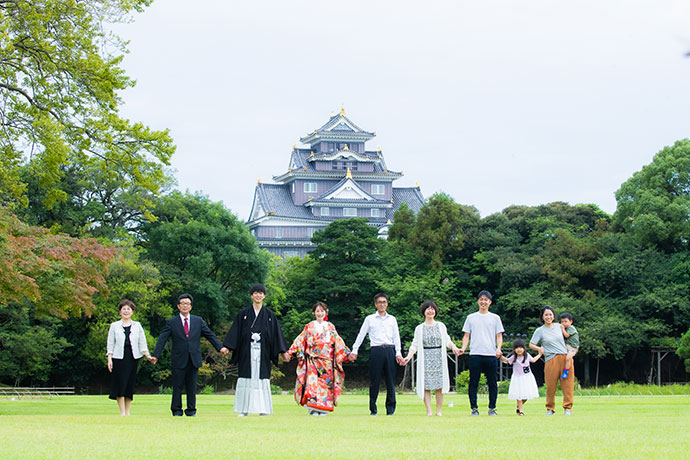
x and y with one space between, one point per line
186 331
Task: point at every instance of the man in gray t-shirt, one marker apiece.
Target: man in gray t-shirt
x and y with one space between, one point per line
485 331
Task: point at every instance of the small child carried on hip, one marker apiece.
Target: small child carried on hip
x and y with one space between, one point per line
572 341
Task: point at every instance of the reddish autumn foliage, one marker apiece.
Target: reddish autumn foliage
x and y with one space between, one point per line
59 273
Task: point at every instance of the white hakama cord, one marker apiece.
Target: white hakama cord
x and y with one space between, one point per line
253 396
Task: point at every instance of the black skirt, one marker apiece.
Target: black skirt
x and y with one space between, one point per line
124 374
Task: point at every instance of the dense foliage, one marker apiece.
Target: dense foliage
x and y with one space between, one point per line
87 218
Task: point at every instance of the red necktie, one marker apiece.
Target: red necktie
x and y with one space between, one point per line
186 328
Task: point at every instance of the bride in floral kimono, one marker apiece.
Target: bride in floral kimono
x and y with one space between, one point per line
321 353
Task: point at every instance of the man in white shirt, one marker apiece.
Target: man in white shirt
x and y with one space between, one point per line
486 332
385 352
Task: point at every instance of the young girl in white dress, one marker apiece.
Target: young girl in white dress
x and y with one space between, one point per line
522 383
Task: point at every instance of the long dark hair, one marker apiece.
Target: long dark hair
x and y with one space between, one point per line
520 343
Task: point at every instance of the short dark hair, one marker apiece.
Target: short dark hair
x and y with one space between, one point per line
567 315
185 296
486 293
126 302
380 294
317 305
427 304
258 287
543 309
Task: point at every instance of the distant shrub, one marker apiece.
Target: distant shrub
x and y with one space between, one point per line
462 381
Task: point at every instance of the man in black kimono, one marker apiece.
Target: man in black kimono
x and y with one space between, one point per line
255 339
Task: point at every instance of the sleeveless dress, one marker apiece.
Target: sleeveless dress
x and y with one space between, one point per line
433 357
124 371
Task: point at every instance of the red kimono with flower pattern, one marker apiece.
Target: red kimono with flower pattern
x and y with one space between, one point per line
320 373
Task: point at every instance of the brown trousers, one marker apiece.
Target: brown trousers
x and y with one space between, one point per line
552 374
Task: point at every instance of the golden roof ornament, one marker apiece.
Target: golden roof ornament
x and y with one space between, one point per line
389 222
378 148
346 147
348 174
416 184
294 146
342 111
312 154
258 181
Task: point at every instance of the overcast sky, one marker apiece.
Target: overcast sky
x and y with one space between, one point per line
494 102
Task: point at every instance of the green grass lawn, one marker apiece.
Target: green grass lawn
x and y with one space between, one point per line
89 427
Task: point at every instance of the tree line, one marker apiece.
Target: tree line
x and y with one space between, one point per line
89 215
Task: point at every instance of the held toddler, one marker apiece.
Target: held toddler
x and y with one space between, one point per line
522 383
572 341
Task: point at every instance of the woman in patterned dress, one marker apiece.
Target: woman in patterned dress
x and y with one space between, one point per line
431 337
321 353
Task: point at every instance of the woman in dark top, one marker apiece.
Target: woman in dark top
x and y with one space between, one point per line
126 344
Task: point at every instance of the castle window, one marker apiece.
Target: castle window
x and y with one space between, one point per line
350 212
279 232
376 212
378 189
310 187
325 211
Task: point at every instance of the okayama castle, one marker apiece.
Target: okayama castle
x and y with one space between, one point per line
334 178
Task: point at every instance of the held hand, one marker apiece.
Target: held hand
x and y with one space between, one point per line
353 357
153 360
287 357
499 353
461 352
400 360
110 364
456 351
224 351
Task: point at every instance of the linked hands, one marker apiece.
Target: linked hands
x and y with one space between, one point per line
287 357
400 360
353 357
224 351
153 359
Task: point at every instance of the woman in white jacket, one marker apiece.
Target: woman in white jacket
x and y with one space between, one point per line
126 344
431 337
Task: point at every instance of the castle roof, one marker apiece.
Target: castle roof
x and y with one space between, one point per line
410 195
275 201
338 128
303 164
347 192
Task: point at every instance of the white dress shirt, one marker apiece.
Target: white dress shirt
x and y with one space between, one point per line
382 330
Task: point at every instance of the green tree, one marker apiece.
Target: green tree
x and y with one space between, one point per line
654 204
347 257
59 84
28 347
683 350
442 230
201 248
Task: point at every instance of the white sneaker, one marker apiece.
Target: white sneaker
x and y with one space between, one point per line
568 412
243 414
549 412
